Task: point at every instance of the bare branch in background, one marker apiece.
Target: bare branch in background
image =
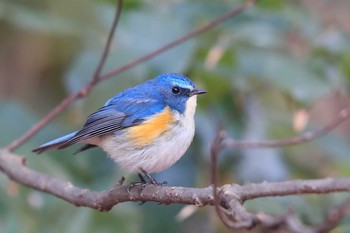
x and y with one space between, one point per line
98 78
229 204
77 95
334 216
182 39
342 116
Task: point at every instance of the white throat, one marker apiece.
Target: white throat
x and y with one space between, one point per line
190 107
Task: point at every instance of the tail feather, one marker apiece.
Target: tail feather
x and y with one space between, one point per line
54 144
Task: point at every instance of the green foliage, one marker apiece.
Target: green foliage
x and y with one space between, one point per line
259 68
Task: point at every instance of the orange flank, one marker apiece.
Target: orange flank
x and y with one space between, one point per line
152 128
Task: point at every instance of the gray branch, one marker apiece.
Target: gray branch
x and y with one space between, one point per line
232 196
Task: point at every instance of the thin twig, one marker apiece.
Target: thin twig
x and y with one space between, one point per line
108 45
87 88
215 149
77 95
342 116
334 216
181 40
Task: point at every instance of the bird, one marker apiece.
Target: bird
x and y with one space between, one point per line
145 129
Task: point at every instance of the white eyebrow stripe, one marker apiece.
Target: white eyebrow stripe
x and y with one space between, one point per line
183 85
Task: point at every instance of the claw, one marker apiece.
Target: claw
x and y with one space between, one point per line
135 184
121 181
142 183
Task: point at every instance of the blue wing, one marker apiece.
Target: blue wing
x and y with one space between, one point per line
117 114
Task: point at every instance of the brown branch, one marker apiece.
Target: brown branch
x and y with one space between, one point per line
14 167
238 217
77 95
215 149
285 188
229 202
342 116
229 195
97 78
334 216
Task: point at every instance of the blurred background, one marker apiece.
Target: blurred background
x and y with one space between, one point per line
275 71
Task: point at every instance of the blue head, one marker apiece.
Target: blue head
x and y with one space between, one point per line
176 90
173 90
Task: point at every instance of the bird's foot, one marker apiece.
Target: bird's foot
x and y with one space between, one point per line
143 183
150 178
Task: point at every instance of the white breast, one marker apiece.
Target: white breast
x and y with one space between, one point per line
160 154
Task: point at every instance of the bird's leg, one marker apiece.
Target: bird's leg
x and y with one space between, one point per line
143 182
151 179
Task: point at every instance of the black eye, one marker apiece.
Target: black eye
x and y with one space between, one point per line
175 90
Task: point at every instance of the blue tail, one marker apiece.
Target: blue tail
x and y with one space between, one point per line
54 144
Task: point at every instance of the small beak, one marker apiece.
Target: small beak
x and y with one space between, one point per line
197 92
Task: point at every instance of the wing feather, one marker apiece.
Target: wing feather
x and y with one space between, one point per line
112 117
119 112
106 120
